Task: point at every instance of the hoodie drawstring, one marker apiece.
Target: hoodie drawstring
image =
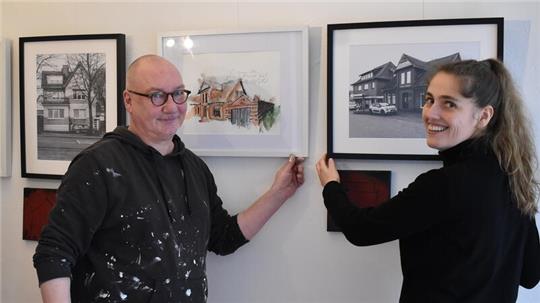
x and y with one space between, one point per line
186 188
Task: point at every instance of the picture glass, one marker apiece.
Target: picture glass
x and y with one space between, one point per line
71 94
253 75
71 103
377 79
249 91
377 116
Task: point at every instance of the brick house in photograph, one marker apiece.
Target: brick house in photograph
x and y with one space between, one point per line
371 85
63 105
229 101
411 75
403 85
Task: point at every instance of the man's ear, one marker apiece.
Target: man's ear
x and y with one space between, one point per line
127 101
486 114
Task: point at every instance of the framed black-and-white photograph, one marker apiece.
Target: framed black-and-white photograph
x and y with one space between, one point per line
377 80
70 95
249 90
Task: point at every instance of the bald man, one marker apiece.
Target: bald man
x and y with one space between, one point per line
137 211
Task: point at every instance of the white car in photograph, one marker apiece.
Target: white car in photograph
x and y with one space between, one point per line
382 109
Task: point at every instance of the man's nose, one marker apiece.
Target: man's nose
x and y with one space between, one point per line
169 103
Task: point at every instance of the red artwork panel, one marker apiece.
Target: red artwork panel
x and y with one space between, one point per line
365 188
38 202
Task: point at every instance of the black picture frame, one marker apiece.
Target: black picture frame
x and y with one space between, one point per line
70 95
374 80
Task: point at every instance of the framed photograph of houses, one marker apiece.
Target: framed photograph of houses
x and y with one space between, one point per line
377 75
364 188
70 95
249 90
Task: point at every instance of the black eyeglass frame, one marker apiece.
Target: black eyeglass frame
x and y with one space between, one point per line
151 96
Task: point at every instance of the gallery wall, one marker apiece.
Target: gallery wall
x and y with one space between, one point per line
1 182
293 259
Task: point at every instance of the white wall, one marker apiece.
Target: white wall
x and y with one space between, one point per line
1 183
293 259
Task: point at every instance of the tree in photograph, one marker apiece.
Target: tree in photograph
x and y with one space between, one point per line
89 69
44 61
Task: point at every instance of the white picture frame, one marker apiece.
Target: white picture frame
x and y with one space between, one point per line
5 108
268 67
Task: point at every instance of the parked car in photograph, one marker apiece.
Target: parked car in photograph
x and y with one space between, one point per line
79 128
382 109
352 105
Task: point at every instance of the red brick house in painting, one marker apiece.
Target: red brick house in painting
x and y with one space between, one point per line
229 101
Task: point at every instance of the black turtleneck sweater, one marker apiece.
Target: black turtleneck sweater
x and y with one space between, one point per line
462 238
131 225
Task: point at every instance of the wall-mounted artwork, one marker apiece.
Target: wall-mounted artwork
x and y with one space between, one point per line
365 188
5 108
38 202
249 90
218 105
377 74
71 94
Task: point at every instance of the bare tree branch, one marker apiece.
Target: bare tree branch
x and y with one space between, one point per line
88 70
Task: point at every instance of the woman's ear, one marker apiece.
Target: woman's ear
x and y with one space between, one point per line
486 114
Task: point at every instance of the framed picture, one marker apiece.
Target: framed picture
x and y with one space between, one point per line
37 204
5 108
365 188
377 80
71 94
249 90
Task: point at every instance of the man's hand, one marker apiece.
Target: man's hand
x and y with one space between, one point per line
289 177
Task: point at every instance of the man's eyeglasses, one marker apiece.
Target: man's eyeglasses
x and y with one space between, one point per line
159 98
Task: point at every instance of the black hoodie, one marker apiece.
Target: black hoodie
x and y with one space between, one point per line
131 225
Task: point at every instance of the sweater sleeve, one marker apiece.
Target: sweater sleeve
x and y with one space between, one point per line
417 207
225 234
530 274
80 208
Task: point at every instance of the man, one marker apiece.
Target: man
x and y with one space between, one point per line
137 211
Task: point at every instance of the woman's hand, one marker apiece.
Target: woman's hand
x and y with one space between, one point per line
327 170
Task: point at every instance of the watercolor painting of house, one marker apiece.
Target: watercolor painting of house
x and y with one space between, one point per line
229 101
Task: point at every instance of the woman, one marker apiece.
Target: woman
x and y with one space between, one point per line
467 230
